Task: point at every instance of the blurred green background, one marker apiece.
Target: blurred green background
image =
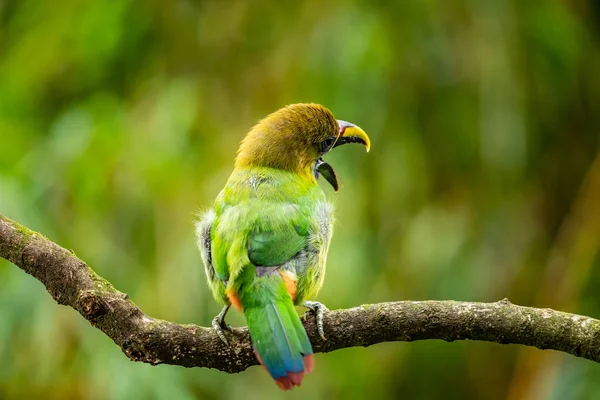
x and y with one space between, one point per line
119 121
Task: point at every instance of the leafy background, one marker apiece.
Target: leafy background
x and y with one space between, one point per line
120 120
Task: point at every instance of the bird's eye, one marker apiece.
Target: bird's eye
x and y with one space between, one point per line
327 143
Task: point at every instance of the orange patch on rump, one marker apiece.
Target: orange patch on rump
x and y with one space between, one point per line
290 283
233 298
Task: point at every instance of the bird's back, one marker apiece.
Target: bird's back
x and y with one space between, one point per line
269 218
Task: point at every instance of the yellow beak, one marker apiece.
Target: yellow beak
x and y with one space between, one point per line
350 133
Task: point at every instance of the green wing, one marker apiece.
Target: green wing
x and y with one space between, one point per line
269 248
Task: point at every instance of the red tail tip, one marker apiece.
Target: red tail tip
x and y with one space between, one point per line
284 383
309 363
293 378
296 377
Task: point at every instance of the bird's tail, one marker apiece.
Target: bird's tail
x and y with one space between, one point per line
280 342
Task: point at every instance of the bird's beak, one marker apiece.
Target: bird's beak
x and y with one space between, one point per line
350 133
328 173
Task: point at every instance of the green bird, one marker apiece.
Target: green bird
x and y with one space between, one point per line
264 243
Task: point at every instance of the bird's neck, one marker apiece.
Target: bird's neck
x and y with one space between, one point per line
259 149
306 174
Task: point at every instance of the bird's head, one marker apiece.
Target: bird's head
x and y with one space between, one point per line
295 138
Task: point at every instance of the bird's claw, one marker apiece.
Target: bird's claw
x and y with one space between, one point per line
318 309
219 325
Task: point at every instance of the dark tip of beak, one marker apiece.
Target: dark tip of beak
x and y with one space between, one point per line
328 173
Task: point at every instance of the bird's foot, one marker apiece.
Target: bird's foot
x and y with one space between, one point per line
219 324
318 309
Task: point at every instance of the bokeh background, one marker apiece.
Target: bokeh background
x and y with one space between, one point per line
119 121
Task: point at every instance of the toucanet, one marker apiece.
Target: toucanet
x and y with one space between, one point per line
264 242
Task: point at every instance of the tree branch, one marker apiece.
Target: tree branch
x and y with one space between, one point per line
142 338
